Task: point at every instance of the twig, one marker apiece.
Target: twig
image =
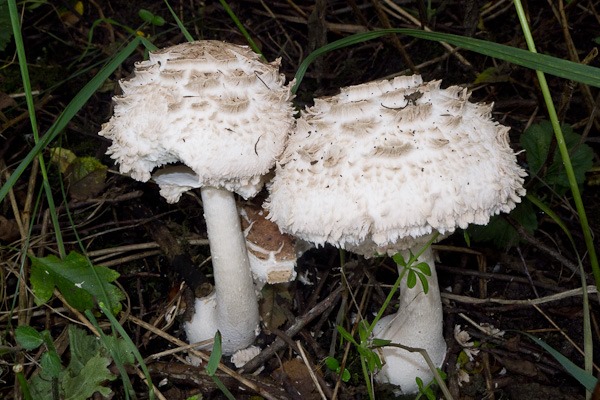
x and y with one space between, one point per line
591 289
298 324
310 370
249 384
430 364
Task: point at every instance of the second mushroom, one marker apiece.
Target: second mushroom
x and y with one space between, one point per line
382 167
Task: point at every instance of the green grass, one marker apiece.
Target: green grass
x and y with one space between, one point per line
543 64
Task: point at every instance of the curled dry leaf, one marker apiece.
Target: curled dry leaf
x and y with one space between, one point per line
9 230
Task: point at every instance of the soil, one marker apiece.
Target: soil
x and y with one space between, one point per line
484 275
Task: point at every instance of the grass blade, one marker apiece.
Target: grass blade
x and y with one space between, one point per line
548 64
69 112
586 379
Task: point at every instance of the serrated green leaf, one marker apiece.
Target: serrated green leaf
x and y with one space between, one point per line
6 31
501 232
79 282
122 348
50 362
28 338
91 379
411 279
536 141
83 347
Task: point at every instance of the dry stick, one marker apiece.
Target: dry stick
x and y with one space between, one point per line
432 367
93 329
573 54
296 327
205 357
563 333
416 22
310 370
591 289
359 308
394 38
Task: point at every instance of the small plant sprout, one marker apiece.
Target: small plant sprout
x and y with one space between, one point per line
384 168
223 116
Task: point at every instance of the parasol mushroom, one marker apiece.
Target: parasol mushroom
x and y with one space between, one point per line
223 116
382 167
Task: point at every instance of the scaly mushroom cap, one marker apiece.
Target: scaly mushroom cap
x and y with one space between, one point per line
384 163
189 102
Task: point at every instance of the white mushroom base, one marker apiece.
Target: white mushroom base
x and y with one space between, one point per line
417 324
233 307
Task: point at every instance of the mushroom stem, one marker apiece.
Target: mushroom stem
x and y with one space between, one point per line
236 310
418 323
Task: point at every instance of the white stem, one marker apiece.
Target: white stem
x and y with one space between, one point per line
418 323
237 308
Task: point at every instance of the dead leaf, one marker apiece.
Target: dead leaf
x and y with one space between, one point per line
9 230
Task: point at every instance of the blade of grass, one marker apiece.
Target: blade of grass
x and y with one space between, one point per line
16 26
213 365
72 108
127 386
586 379
185 32
240 26
116 325
566 159
551 65
562 146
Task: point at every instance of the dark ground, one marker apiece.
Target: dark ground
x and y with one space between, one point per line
125 212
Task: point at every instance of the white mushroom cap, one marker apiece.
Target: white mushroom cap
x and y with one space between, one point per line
189 102
384 163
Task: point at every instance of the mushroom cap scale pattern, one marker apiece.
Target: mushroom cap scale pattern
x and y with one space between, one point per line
383 164
203 104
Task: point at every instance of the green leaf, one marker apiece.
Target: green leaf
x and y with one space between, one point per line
158 21
380 342
537 142
83 347
28 338
424 268
363 331
90 379
146 15
50 362
501 232
79 282
346 335
411 279
5 25
424 282
399 259
345 375
332 363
